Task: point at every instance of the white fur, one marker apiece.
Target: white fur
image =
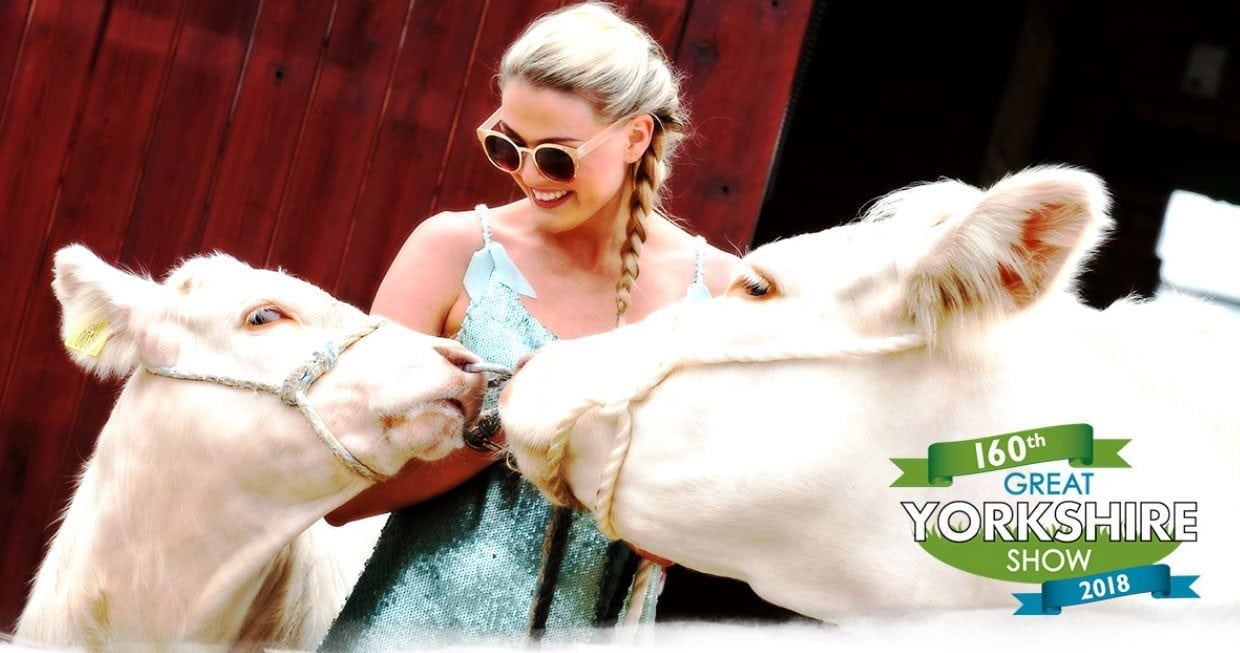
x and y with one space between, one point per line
779 473
197 518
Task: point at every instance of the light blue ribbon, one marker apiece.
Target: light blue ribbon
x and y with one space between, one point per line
1154 579
492 259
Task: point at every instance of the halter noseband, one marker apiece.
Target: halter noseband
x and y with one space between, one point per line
293 393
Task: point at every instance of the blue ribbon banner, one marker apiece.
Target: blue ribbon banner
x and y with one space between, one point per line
1154 579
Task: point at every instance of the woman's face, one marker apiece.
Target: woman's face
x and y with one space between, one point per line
531 116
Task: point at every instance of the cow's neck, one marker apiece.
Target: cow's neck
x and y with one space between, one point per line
195 557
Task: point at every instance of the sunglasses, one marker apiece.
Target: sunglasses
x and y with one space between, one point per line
555 162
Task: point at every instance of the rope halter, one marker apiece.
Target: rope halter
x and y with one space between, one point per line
621 411
293 393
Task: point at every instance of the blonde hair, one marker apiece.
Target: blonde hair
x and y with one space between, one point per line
591 50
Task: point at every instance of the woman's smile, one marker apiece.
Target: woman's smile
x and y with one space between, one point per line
549 199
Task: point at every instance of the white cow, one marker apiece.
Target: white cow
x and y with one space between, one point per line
750 436
192 521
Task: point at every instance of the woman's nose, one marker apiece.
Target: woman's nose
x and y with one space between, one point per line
530 174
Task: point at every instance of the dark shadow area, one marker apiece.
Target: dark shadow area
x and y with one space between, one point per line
1146 95
690 596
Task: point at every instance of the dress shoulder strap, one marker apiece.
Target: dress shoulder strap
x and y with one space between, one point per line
492 261
699 263
697 288
484 217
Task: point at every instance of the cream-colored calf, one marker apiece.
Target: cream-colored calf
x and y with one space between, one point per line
751 436
198 517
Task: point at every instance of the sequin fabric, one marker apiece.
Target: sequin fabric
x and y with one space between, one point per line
462 568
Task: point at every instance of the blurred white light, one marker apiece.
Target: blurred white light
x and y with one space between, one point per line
1200 248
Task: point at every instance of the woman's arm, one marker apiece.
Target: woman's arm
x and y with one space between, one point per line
419 290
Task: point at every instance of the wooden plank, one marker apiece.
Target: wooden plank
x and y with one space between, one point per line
169 209
316 210
266 127
417 125
720 183
664 19
15 17
466 177
45 100
100 177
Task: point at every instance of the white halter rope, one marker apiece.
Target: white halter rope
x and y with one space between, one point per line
621 411
293 392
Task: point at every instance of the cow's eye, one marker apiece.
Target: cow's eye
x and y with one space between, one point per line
756 286
753 285
264 315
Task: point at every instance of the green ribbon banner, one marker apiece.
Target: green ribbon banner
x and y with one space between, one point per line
1072 442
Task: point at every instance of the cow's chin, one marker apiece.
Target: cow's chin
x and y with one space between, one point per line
429 432
532 405
583 463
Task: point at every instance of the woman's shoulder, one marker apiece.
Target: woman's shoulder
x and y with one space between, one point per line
439 248
466 228
450 230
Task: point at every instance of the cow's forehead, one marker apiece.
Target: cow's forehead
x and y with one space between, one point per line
222 276
893 228
833 257
194 273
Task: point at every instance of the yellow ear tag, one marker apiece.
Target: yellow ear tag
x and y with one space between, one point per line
89 340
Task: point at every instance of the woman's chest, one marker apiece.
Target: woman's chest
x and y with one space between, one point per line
572 304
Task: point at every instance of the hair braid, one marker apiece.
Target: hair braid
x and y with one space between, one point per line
647 177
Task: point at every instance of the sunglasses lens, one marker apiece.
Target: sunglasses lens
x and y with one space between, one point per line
502 153
555 163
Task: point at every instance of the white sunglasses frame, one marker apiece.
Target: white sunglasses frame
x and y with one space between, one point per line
578 153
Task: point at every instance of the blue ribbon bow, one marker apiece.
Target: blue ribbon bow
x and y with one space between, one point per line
492 259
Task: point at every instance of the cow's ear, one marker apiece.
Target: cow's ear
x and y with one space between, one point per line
103 311
1025 238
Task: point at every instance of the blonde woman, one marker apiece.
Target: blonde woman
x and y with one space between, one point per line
589 117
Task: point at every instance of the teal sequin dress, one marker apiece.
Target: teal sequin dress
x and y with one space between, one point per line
463 567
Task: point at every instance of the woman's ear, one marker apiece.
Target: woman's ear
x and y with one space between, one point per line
640 132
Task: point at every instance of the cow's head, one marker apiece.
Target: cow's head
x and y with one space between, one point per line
391 396
927 268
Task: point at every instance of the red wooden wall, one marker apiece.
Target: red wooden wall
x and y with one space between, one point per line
307 134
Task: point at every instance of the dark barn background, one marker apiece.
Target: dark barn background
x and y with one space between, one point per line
897 92
314 134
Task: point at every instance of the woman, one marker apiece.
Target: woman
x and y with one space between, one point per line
589 117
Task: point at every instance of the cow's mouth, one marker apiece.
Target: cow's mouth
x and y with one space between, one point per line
444 411
452 405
